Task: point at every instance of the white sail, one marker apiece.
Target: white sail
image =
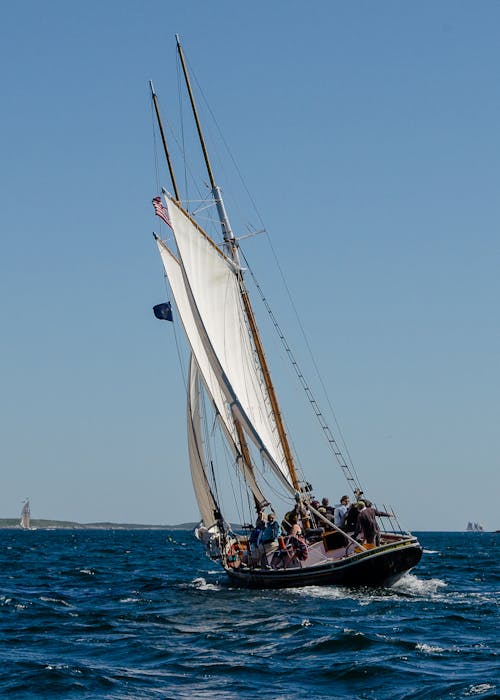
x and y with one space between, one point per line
212 385
175 278
214 288
25 521
203 493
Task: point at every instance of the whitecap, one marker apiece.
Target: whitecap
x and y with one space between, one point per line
479 689
431 551
46 599
202 585
130 600
352 633
305 623
428 649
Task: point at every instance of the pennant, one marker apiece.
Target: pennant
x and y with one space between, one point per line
163 311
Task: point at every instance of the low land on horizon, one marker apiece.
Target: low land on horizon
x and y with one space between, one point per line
42 524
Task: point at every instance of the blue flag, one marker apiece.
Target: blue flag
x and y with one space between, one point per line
163 311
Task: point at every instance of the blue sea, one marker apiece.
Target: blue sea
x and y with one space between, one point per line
144 614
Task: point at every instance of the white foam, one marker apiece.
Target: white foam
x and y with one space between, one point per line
428 649
202 585
481 688
46 599
326 592
412 585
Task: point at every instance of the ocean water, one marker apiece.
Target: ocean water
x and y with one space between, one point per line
144 614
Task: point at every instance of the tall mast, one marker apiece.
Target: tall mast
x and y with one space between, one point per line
229 240
164 141
231 248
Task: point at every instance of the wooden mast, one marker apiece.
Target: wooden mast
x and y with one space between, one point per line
269 385
164 141
232 248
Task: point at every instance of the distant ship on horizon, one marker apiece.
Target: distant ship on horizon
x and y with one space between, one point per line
474 527
25 521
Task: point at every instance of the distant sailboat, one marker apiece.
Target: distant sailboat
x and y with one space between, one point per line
25 521
474 527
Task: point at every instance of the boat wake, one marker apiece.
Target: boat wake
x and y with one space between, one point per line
324 592
411 585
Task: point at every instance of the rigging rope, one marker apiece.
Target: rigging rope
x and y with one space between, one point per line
350 471
349 474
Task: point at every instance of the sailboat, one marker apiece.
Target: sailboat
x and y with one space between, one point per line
25 520
230 390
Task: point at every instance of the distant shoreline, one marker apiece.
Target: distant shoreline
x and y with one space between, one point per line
41 524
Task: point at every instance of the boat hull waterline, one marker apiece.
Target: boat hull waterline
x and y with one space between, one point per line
379 567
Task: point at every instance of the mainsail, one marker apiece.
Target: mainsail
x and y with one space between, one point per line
212 288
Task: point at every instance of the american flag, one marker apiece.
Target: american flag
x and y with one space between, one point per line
161 211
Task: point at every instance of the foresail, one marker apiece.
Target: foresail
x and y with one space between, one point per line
214 288
175 277
203 493
214 388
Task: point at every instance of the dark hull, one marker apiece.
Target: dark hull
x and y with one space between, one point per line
382 566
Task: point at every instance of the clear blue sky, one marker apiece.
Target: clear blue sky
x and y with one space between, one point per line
368 135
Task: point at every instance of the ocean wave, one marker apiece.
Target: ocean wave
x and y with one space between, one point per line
154 625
